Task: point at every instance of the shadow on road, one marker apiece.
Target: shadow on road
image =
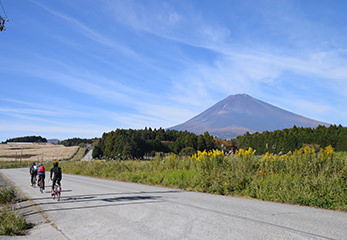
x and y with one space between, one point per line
95 200
79 196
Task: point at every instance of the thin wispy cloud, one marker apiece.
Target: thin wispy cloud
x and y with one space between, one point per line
216 38
28 110
89 33
58 131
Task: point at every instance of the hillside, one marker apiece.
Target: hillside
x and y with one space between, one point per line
241 113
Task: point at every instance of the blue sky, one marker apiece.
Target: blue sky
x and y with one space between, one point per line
80 68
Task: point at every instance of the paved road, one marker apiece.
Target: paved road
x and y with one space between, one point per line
88 156
94 208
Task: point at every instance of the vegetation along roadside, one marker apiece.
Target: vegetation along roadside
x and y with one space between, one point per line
11 222
306 176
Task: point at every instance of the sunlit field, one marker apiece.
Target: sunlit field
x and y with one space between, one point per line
304 177
35 152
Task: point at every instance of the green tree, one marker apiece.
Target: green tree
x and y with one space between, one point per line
97 152
201 143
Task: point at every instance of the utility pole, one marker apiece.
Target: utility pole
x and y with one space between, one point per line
21 154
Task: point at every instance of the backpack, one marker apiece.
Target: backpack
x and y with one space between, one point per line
41 169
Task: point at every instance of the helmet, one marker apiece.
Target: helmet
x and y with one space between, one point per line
55 164
33 164
40 164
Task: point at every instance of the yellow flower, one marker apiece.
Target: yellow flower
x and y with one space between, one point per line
266 156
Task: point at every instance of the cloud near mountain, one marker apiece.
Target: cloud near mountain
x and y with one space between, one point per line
241 113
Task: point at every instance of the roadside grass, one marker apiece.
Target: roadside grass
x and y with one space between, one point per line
14 164
304 177
11 223
7 195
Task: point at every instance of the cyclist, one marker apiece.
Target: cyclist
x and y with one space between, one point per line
33 173
57 176
41 172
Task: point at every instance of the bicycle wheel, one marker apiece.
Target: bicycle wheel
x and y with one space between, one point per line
41 186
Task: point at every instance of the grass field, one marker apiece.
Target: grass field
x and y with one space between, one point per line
36 152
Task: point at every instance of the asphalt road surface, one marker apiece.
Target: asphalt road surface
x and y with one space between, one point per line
93 208
88 156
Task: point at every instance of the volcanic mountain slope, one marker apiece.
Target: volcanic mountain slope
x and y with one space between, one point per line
237 114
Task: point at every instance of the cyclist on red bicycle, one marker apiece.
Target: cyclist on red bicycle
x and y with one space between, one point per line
41 172
57 176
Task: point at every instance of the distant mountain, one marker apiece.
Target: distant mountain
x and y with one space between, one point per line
241 113
54 141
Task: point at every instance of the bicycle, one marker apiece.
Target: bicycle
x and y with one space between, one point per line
33 181
40 184
56 192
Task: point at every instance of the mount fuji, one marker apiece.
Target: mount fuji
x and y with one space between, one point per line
241 113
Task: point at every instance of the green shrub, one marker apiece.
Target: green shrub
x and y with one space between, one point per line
7 195
188 151
11 223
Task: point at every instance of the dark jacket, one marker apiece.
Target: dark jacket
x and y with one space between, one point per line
33 170
56 173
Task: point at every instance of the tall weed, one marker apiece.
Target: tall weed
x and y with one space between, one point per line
7 195
11 223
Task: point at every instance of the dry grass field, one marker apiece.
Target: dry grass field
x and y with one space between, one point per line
36 152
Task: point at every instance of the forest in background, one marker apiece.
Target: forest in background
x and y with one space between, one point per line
33 139
124 144
76 141
294 138
130 144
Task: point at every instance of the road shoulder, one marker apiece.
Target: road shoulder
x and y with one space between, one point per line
43 227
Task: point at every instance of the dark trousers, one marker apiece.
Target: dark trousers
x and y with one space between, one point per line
33 178
56 180
42 176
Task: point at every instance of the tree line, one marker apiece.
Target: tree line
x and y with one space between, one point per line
33 139
76 141
129 143
294 138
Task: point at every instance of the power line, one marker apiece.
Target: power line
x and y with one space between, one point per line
3 9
